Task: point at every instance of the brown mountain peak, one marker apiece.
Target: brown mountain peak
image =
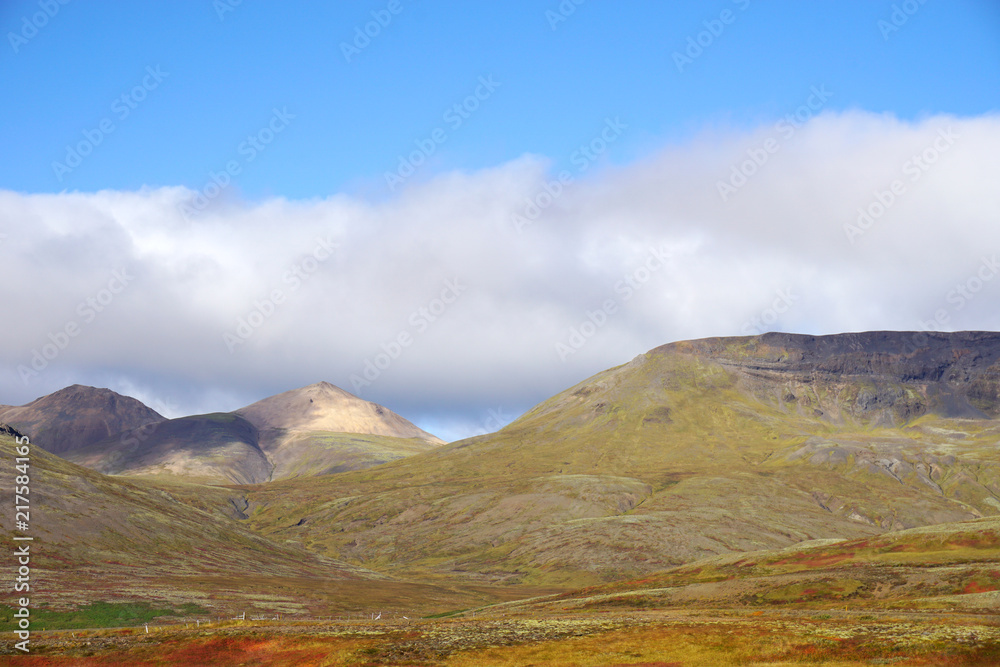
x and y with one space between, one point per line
77 416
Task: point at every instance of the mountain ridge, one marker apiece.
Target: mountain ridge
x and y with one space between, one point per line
952 374
314 430
77 416
208 448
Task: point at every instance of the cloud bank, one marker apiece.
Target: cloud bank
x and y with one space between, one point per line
467 298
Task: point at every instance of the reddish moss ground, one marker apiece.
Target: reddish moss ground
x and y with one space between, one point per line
586 640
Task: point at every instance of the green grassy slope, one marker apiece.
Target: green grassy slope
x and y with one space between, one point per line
170 543
313 453
946 566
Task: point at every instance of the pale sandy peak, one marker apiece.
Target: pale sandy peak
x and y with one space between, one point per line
326 407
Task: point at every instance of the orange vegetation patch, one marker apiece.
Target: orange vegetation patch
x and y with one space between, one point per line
721 645
982 581
984 540
582 641
974 587
243 651
815 560
214 651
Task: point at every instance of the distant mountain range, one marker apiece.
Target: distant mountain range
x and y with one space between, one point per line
695 450
316 430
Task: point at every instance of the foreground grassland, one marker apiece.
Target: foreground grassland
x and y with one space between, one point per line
96 615
709 638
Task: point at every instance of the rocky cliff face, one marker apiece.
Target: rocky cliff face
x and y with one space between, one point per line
7 430
881 377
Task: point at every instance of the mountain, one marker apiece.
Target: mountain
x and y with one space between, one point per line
325 407
692 450
207 448
77 416
316 430
322 429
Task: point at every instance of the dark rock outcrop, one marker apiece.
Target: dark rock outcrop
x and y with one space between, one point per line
882 376
6 429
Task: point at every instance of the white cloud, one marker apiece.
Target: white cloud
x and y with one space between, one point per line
523 291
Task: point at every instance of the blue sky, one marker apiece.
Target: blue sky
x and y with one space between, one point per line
598 178
227 69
